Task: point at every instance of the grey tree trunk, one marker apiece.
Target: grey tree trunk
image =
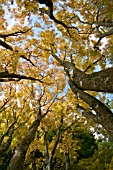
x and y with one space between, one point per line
18 158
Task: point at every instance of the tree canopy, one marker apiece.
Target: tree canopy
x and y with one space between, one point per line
56 84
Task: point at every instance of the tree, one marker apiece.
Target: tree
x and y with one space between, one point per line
60 46
31 112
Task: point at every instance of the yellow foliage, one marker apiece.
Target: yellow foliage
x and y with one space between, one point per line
36 68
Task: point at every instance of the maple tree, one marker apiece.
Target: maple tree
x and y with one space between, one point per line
53 51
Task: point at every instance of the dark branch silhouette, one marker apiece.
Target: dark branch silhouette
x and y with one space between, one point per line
5 45
13 34
49 3
6 74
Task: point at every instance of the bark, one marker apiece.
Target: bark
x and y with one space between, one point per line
18 158
101 81
7 145
6 74
5 45
103 116
49 166
13 34
9 133
46 147
11 127
67 159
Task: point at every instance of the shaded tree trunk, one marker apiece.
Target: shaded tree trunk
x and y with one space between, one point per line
98 81
55 145
103 116
49 158
7 145
101 81
18 158
67 159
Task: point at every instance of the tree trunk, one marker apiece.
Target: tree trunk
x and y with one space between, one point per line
101 81
49 166
55 144
18 158
67 159
103 116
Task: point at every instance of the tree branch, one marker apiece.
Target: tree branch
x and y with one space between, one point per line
103 113
8 131
7 145
4 44
12 76
110 32
56 141
49 3
27 59
14 34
